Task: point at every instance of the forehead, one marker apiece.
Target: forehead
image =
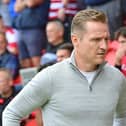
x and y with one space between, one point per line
97 29
62 51
51 25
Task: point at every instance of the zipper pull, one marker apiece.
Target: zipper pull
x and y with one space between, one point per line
90 88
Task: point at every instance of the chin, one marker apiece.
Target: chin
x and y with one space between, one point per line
100 61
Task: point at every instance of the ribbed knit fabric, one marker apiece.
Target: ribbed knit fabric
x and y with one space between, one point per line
66 99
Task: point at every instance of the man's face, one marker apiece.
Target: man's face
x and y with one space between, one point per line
62 54
54 34
122 43
5 83
92 46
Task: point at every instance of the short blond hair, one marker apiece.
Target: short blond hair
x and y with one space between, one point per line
84 16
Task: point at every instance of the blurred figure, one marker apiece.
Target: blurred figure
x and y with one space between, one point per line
30 23
55 37
116 54
112 48
10 4
120 56
7 89
55 32
69 8
7 59
63 10
11 36
64 51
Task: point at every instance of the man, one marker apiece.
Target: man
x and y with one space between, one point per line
116 54
63 10
30 22
120 56
64 51
54 32
80 90
55 36
11 35
8 59
7 90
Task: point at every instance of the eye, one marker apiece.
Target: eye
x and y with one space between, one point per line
96 39
122 42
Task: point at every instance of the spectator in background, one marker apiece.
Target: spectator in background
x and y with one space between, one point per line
7 59
82 90
120 55
7 89
63 10
116 54
30 22
11 36
55 32
69 6
64 51
55 37
12 33
115 16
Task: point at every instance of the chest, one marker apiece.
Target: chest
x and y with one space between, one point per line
75 98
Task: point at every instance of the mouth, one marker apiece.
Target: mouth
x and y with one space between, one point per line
102 54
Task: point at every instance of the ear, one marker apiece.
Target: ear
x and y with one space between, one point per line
61 33
74 39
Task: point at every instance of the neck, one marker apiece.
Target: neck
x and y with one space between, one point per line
84 65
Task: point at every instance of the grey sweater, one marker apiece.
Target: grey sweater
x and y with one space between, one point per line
66 99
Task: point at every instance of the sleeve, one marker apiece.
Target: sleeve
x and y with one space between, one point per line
120 122
121 106
34 95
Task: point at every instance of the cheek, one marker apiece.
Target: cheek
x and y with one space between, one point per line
2 87
85 47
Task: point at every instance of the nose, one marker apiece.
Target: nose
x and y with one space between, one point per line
104 44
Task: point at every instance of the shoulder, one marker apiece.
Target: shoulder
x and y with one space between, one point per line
55 69
113 72
60 66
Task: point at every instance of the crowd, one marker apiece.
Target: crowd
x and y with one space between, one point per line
38 33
